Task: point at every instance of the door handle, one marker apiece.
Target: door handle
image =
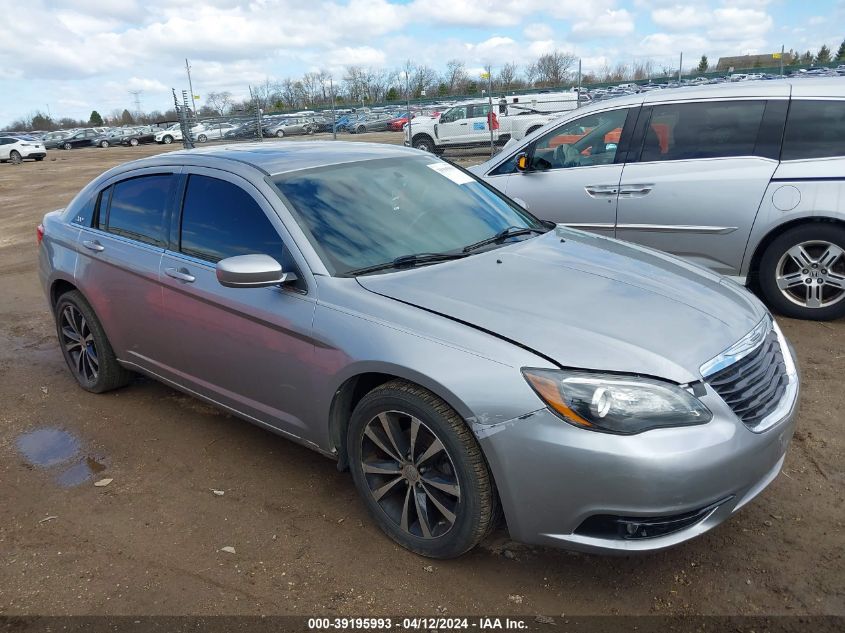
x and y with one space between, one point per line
93 245
464 123
635 191
181 274
601 191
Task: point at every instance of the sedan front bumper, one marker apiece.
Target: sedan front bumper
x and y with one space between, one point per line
559 484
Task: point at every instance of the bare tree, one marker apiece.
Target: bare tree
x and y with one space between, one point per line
552 69
507 76
220 102
456 76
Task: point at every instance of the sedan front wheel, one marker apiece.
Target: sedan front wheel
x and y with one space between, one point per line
420 471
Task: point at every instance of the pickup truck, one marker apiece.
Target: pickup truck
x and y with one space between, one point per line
468 124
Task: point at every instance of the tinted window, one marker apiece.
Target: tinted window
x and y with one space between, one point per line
369 212
454 114
814 129
587 141
702 130
219 220
138 205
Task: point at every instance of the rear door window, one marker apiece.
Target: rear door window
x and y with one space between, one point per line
814 129
138 207
684 131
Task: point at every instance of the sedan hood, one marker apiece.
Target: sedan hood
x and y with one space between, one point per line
588 302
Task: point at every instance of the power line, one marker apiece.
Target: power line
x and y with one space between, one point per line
137 95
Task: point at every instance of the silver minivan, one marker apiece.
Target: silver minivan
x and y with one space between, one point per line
747 179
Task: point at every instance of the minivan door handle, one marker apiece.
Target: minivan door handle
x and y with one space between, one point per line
634 191
93 245
181 274
601 191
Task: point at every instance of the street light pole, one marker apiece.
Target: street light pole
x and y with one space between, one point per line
191 88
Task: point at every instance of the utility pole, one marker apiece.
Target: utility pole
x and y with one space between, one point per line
137 99
490 113
781 59
257 103
408 92
191 87
680 68
578 97
334 118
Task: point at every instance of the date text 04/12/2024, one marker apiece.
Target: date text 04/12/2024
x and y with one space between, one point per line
421 623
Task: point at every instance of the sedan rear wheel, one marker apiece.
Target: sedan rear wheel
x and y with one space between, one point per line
87 351
202 138
133 142
280 133
420 471
67 146
104 143
802 272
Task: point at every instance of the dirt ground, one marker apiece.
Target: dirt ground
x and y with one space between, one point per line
150 541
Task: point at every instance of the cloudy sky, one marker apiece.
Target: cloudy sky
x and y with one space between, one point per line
77 55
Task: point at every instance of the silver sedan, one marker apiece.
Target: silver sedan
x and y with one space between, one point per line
457 355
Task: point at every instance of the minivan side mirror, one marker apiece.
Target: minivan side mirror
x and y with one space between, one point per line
251 271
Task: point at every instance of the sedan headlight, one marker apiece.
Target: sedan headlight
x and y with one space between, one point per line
616 403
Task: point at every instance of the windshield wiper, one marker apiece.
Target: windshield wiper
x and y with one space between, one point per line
407 261
501 236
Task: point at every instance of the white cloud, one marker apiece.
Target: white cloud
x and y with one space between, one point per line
538 31
680 18
610 23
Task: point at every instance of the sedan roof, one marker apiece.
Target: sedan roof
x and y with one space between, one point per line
276 158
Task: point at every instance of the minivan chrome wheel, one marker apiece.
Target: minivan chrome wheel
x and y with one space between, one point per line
78 341
801 273
410 474
812 274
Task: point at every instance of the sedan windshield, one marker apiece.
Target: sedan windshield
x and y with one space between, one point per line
363 214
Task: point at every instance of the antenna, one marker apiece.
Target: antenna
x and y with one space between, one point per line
137 95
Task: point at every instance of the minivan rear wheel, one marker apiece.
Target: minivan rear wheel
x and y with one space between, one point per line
802 272
86 349
420 471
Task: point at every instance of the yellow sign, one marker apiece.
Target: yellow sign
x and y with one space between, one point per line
197 97
485 75
776 55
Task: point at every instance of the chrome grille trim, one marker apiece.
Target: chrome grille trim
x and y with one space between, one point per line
756 377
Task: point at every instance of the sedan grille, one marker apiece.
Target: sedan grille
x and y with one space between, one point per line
753 385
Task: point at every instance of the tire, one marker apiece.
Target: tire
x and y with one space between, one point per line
96 369
15 157
104 143
280 133
167 140
133 142
815 289
424 143
202 138
464 487
67 146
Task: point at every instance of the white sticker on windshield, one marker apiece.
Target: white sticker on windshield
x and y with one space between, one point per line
451 172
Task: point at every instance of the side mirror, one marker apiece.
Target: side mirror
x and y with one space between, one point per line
522 162
251 271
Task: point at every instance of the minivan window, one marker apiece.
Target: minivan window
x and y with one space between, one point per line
814 129
683 131
138 206
220 220
586 141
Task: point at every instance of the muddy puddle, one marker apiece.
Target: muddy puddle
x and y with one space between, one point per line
61 453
